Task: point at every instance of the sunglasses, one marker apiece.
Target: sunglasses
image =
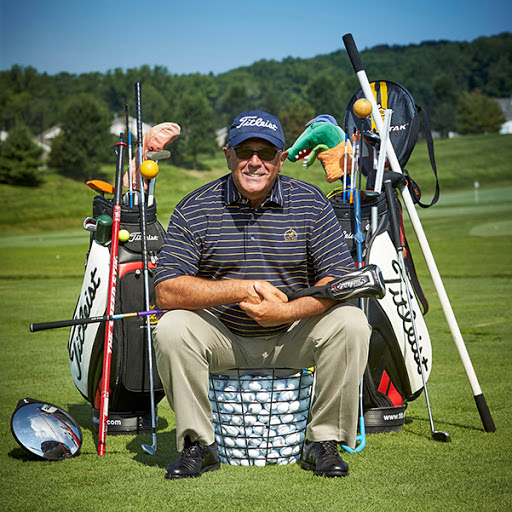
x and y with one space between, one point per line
265 155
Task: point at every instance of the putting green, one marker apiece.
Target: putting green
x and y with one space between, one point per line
497 228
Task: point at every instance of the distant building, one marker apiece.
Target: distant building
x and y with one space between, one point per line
119 126
506 107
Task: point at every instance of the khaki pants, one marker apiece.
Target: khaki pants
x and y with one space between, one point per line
191 344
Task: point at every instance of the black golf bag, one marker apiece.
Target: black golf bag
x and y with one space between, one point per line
129 400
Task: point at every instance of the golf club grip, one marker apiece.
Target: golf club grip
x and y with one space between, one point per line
388 187
353 53
138 107
44 326
485 413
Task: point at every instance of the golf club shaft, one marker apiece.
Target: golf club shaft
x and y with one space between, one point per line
395 231
145 262
359 239
130 177
43 326
481 403
111 301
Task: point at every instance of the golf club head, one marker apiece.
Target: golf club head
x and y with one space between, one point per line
442 437
371 138
162 154
150 450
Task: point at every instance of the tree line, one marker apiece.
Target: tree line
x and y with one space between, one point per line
453 81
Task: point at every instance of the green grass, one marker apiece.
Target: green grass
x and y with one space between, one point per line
471 239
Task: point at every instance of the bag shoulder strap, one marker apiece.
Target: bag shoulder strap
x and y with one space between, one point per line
430 146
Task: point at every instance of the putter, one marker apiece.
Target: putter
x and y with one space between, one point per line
437 435
143 224
162 154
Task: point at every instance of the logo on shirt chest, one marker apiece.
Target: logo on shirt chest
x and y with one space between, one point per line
290 235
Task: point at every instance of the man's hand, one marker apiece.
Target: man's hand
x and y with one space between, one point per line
267 305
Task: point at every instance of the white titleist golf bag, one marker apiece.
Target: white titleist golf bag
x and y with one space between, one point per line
393 375
129 400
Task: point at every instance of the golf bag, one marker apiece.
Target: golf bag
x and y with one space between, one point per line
406 120
129 399
393 375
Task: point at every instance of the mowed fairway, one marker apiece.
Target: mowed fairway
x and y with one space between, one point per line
471 237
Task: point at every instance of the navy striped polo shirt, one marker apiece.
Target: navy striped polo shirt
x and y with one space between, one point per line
292 240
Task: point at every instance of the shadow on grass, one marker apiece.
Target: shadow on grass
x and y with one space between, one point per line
166 444
165 453
412 419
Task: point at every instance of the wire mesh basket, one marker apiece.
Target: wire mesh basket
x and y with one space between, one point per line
260 416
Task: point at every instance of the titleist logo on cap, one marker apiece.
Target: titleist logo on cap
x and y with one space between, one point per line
256 121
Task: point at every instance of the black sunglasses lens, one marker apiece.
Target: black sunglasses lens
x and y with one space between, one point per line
267 154
244 153
264 154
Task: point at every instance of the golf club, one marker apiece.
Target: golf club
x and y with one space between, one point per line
143 225
480 401
437 435
130 177
43 326
162 154
111 299
100 186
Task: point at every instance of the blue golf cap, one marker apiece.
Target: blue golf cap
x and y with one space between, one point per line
256 124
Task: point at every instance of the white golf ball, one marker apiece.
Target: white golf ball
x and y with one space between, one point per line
237 408
294 406
255 385
282 407
255 408
288 396
287 418
229 442
259 429
229 430
292 439
240 442
263 397
230 393
235 452
279 385
254 441
237 420
286 451
283 430
250 420
248 397
253 453
278 441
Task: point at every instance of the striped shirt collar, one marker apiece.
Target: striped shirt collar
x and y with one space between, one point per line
275 196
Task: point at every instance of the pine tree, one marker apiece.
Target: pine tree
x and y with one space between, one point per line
83 144
20 158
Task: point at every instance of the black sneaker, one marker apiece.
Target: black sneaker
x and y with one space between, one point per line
195 459
323 459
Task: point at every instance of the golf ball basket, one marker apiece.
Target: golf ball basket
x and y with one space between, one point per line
260 416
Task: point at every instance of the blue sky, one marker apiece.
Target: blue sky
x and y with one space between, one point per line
217 36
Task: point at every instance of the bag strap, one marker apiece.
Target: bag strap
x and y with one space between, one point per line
413 188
